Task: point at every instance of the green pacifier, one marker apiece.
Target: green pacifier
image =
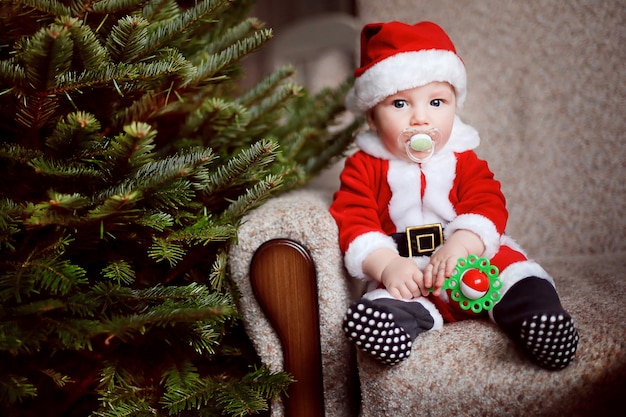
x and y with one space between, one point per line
418 143
421 142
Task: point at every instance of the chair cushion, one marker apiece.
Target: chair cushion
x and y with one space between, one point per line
471 368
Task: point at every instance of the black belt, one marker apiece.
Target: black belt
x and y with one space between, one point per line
419 240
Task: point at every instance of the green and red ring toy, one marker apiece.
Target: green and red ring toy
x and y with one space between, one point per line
474 284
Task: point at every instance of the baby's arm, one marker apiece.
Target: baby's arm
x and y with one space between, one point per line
400 276
442 263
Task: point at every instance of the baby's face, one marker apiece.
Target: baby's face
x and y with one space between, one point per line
430 106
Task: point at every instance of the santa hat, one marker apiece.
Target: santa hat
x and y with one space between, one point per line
396 56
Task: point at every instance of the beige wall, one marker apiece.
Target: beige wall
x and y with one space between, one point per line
546 89
278 15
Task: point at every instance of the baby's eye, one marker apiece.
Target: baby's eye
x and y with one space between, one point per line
436 102
399 104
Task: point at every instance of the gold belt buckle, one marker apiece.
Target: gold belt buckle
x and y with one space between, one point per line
423 240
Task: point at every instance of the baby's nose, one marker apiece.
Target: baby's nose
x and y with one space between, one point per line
419 117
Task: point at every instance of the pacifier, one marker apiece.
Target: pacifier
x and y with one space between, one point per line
419 144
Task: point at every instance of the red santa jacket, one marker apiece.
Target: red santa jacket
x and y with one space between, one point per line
381 194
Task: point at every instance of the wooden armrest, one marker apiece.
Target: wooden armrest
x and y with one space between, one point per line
283 279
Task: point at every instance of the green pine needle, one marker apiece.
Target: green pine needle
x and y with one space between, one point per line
129 157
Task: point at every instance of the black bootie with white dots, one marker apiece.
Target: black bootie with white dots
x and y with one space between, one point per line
531 314
385 328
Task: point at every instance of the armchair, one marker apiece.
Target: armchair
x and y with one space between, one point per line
546 92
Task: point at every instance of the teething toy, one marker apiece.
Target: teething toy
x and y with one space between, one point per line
474 284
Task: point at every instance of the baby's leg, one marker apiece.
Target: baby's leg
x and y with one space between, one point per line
530 312
386 327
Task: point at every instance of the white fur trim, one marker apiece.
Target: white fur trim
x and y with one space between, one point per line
404 71
464 137
405 206
480 225
518 271
425 302
361 247
370 143
506 240
439 173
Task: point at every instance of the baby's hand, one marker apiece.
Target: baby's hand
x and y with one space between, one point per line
403 279
441 266
442 263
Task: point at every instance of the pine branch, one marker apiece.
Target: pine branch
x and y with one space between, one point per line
38 307
240 400
273 103
57 378
238 169
52 7
131 150
126 403
190 295
17 154
219 271
203 232
74 334
266 86
217 119
77 131
120 272
64 170
35 112
338 144
166 250
9 224
267 382
126 78
46 55
158 221
185 389
160 10
15 388
48 273
170 30
253 197
91 52
144 107
124 328
128 39
120 74
209 68
118 389
12 75
236 33
115 6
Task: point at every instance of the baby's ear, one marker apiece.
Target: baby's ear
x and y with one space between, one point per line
369 116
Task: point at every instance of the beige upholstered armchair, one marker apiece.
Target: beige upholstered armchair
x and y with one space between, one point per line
546 91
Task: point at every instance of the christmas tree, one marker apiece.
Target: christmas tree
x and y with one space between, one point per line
128 157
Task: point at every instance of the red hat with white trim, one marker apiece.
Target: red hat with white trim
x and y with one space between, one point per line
396 56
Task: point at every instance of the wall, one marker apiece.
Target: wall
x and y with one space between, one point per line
279 14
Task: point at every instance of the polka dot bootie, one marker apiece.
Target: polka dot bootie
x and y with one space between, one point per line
551 340
386 328
531 314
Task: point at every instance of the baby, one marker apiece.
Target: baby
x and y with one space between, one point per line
415 198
